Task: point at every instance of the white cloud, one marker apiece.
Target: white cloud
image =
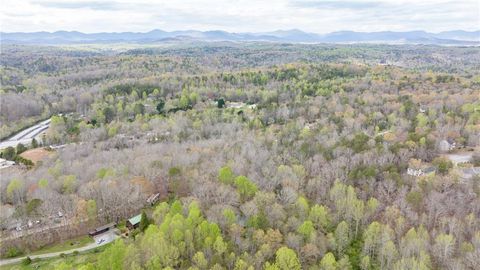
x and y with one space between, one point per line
318 16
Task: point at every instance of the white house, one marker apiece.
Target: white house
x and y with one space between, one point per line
6 163
420 171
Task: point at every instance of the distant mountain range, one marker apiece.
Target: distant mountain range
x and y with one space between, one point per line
457 37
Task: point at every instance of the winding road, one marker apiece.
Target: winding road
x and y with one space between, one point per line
25 136
107 237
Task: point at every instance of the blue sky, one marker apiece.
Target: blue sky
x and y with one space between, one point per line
319 16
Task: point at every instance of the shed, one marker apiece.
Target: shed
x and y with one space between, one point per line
102 229
153 198
133 222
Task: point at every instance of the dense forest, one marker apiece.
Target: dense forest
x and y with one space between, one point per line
265 156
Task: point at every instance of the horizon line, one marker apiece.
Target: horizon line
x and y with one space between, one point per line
247 32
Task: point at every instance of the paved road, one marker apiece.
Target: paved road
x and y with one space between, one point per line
25 136
107 237
460 158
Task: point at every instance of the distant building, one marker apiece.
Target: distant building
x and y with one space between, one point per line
12 226
447 145
133 222
240 105
235 105
102 229
6 163
420 171
459 158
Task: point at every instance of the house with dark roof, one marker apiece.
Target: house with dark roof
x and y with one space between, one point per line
102 229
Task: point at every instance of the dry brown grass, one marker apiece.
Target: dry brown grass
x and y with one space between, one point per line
36 154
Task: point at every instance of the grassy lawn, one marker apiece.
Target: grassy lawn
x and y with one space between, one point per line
65 245
74 260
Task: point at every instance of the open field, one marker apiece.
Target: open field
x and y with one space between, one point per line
36 154
72 260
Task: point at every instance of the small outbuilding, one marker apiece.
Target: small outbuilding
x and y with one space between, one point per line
134 222
102 229
153 198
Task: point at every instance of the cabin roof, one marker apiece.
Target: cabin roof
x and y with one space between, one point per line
135 220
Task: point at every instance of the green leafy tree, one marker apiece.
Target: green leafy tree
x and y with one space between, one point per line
14 189
245 187
144 222
88 266
139 108
444 245
241 265
160 212
200 261
388 253
92 209
226 175
184 102
443 164
161 106
229 216
176 208
27 261
32 206
258 221
328 262
21 148
422 120
302 207
219 245
65 266
286 259
415 199
306 229
109 114
220 103
359 143
342 237
365 263
34 143
372 239
319 216
69 183
113 257
344 264
9 153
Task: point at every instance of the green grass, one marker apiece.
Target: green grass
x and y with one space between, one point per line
73 260
62 246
